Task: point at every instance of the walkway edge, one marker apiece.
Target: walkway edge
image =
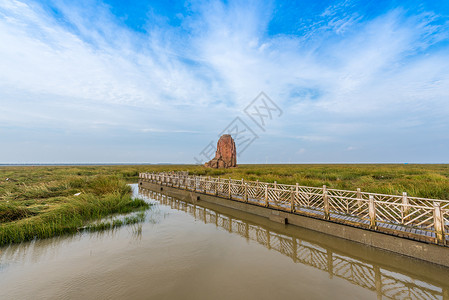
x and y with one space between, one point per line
415 249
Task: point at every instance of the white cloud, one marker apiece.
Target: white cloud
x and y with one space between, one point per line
90 72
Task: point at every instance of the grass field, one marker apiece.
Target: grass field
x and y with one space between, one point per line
429 181
40 201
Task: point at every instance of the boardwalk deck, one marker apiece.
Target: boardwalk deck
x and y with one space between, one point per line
379 278
409 217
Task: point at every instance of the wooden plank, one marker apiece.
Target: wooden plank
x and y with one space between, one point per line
335 201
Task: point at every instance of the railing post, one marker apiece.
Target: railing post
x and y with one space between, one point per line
246 192
292 200
210 183
243 189
438 223
372 212
297 192
216 185
266 195
359 197
229 189
326 203
405 207
276 194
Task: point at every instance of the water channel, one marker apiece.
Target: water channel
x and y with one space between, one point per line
204 251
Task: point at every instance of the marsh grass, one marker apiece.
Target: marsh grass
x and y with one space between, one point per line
116 223
40 202
429 181
34 209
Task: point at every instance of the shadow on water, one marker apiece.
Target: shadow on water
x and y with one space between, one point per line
387 274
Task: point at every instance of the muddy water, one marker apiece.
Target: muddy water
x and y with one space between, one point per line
187 251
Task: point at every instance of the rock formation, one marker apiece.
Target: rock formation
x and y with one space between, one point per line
226 155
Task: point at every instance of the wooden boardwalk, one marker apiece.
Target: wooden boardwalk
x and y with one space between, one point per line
383 280
415 218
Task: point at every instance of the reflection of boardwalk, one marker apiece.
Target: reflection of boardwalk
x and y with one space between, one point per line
412 217
387 284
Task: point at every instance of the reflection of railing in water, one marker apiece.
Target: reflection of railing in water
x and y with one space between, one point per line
416 218
385 283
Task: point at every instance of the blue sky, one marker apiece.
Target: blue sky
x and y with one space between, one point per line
156 81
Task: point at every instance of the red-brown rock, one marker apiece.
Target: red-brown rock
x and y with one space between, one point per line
226 155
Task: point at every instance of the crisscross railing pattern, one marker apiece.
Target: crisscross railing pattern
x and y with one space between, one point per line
412 217
386 283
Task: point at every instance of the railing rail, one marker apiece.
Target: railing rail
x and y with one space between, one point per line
412 217
386 282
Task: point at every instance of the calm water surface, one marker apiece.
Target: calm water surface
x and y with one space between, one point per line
187 251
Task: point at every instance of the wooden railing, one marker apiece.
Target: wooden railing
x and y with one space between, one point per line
383 280
412 217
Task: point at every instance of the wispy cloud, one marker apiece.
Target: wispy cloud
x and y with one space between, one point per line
344 75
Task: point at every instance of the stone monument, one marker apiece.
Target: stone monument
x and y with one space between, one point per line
226 154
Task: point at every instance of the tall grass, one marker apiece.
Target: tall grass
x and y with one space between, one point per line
106 225
40 201
24 219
